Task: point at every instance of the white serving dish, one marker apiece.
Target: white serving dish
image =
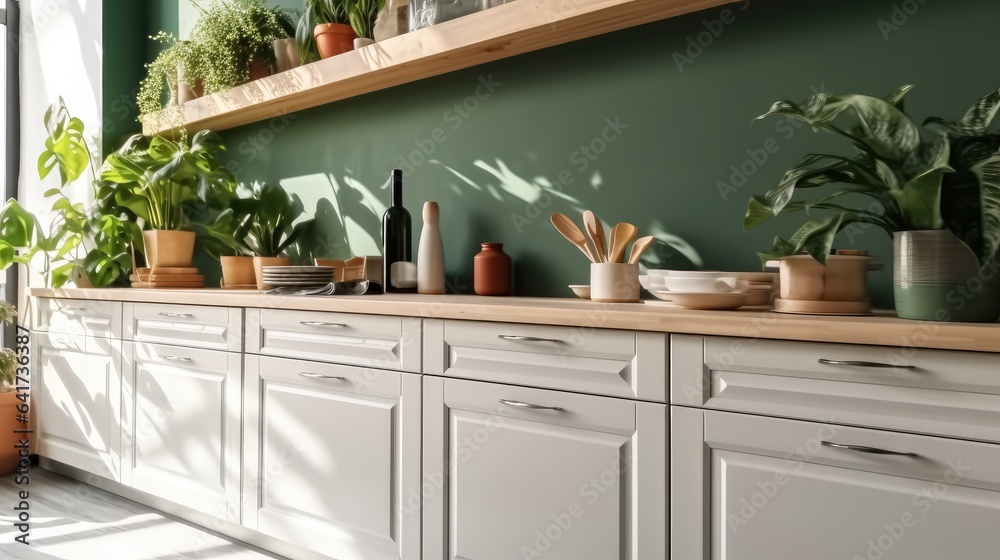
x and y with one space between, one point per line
721 285
720 302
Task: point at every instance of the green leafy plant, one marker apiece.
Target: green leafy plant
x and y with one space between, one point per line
362 14
162 181
315 13
164 71
261 224
946 176
230 35
79 240
8 358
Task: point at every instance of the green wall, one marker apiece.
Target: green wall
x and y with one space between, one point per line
500 159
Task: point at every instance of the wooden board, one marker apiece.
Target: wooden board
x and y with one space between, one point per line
504 31
882 329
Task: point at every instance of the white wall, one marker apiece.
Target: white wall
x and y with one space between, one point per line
61 55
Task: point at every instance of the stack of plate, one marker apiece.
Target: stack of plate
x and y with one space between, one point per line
710 289
297 276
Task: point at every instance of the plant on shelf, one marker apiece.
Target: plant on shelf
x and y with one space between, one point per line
84 244
162 182
324 29
936 191
286 53
262 224
235 39
13 403
180 67
363 14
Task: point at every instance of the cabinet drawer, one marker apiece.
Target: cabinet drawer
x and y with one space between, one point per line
373 341
588 360
928 391
215 328
102 319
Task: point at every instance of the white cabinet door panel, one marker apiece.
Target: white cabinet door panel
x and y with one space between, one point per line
183 426
337 452
77 401
515 472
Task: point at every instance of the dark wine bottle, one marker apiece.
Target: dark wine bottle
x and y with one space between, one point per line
396 244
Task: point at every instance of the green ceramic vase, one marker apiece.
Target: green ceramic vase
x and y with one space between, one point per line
937 278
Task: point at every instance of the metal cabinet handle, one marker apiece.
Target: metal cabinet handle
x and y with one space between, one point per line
312 375
176 358
865 449
517 338
178 315
520 404
857 363
71 309
323 324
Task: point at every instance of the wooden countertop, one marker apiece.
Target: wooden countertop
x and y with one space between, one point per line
882 329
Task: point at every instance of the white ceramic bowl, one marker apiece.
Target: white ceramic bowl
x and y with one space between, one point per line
722 285
582 291
660 273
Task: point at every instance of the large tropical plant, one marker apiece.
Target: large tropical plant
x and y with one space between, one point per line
946 176
80 240
162 181
262 224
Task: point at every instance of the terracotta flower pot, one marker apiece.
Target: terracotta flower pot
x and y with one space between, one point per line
334 38
259 69
286 55
238 272
168 248
258 267
187 91
9 455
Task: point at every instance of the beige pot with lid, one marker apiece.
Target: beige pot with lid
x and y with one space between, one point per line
844 278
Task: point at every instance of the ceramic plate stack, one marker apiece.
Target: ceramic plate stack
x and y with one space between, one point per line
297 276
710 289
167 277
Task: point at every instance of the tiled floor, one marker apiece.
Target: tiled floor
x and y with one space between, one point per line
73 521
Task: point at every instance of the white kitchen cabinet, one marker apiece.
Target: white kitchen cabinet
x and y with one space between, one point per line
749 488
76 396
337 452
181 426
512 472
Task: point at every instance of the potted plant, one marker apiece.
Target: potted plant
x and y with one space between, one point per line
363 14
325 29
936 191
286 53
159 180
83 244
10 400
262 224
235 40
179 66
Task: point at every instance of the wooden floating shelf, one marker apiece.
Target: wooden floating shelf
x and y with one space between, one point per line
511 29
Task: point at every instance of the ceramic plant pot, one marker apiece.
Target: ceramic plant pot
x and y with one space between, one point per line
259 69
168 248
238 272
9 454
935 277
334 38
286 55
186 91
258 268
362 42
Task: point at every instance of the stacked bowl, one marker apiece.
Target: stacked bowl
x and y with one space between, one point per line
710 289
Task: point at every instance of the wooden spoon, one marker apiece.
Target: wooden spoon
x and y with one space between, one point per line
621 235
572 233
638 247
595 229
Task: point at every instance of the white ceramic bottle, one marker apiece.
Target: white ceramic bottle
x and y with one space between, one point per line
430 253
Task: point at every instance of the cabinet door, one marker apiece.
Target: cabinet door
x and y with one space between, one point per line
749 487
336 452
512 472
181 437
77 401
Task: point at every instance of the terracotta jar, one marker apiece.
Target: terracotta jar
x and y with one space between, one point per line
334 38
491 271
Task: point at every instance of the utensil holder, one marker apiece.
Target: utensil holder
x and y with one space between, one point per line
614 282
